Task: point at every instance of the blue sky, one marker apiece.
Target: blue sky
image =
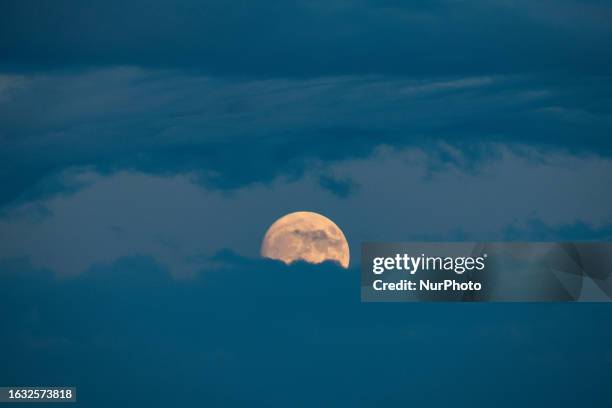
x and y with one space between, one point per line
147 146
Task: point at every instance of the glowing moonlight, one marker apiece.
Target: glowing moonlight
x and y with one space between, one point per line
305 236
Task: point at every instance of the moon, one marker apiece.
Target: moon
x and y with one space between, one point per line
305 236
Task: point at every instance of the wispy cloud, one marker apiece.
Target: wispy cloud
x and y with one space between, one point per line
231 133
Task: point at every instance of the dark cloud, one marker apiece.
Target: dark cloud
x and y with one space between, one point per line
311 38
342 187
250 331
538 230
232 133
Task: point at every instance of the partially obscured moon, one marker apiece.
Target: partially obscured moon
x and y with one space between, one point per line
306 236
